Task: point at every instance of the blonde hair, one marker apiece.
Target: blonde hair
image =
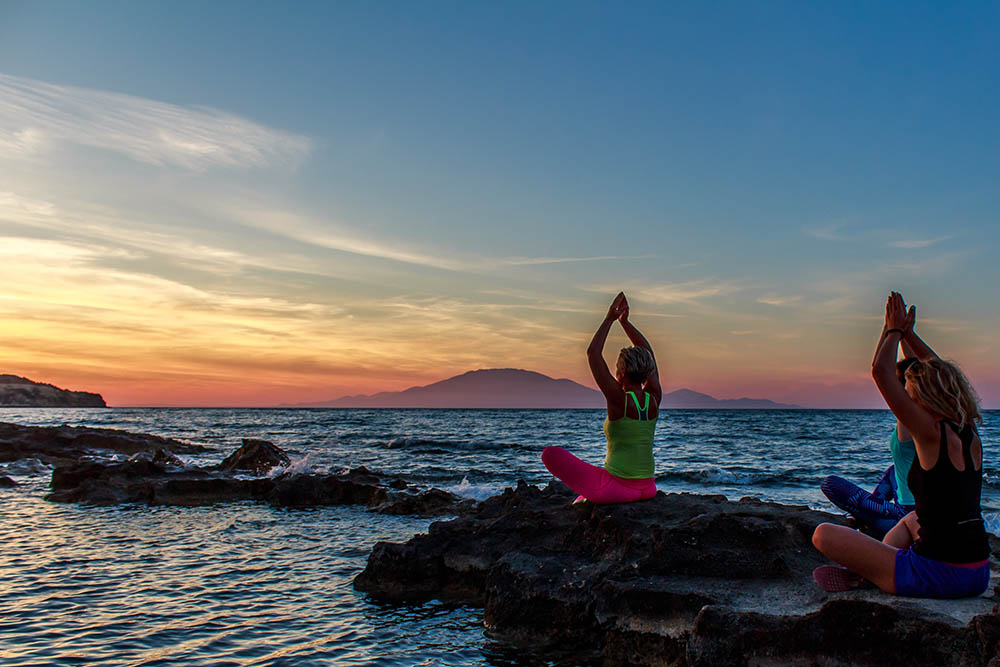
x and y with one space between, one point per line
941 387
636 363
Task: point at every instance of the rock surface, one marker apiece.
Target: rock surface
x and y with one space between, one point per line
256 456
62 445
86 471
161 479
679 579
19 392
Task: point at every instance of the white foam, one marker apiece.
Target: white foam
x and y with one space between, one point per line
474 491
302 466
992 521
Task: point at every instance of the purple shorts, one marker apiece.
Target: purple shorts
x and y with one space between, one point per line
917 576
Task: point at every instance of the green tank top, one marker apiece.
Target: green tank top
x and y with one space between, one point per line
630 443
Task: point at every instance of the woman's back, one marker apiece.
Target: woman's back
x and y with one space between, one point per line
948 500
630 440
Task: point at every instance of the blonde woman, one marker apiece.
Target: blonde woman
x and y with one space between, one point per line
627 474
939 550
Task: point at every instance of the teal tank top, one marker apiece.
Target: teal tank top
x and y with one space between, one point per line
903 454
630 443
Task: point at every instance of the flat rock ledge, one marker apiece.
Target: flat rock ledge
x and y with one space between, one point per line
62 445
162 480
679 579
87 469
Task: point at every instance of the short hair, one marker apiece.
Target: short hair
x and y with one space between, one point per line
941 387
636 362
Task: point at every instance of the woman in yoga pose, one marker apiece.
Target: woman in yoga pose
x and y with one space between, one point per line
633 395
940 550
891 500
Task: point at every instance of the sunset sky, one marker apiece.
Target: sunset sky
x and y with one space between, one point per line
234 203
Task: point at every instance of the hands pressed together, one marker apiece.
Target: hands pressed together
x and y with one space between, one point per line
896 314
619 308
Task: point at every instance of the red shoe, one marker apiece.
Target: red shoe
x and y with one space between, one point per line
834 579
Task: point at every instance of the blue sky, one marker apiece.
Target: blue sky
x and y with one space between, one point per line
442 186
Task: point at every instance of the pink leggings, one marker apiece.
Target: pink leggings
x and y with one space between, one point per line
595 484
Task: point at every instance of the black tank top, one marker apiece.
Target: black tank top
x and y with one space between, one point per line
947 503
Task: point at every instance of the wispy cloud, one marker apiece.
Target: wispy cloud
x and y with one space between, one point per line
35 114
524 261
684 292
777 300
828 232
330 235
913 244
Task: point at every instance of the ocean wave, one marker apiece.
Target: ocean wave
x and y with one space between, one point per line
426 445
992 521
720 477
302 466
474 491
25 468
415 443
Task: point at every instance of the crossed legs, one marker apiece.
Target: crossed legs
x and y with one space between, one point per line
593 483
873 560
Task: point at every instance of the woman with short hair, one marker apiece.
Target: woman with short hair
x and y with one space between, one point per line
627 474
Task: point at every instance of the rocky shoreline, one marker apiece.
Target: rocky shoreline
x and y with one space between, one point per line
67 445
20 392
88 469
680 579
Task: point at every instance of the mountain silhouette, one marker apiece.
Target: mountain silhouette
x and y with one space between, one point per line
516 388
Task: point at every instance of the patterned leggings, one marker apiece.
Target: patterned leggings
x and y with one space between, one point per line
879 510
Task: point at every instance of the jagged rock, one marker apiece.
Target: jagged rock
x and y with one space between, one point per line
434 502
313 490
680 579
7 483
163 457
63 445
362 475
842 631
158 480
145 482
256 456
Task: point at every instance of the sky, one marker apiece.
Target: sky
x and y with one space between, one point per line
245 204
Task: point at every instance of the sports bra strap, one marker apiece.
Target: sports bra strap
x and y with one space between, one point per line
644 410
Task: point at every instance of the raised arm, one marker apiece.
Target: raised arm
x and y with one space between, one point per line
652 384
878 345
914 345
606 382
917 420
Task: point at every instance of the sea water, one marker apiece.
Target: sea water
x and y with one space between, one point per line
249 584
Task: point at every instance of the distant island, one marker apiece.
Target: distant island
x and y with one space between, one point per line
19 392
514 388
